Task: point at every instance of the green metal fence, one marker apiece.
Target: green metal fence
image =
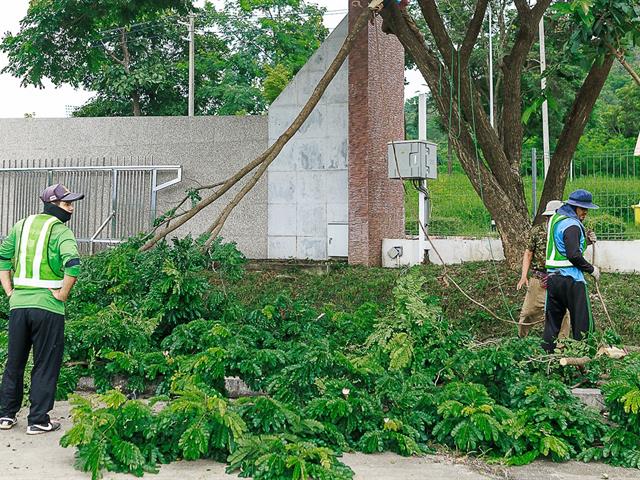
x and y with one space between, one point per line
612 177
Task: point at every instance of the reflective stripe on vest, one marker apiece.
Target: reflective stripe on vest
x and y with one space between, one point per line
554 258
32 268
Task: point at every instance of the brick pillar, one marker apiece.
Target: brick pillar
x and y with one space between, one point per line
376 116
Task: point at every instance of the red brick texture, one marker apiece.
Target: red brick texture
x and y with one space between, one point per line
376 116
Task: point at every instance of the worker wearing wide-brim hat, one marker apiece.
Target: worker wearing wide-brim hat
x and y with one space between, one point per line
42 253
534 259
566 286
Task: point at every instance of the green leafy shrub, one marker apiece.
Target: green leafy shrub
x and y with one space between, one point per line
265 457
470 420
621 444
549 421
607 226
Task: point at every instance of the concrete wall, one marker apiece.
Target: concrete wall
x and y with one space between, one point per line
307 183
611 256
209 149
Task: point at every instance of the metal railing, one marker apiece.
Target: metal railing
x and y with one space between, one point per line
612 177
120 200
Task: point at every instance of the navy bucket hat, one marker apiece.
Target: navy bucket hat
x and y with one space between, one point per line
582 198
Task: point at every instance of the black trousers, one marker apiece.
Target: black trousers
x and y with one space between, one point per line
564 293
44 331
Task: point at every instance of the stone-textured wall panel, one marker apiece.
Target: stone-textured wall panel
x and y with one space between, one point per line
317 159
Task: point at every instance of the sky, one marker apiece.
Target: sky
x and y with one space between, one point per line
16 101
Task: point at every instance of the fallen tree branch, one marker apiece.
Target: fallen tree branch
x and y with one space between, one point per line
578 361
620 57
277 147
268 155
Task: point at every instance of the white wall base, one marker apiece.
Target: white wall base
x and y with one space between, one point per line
611 256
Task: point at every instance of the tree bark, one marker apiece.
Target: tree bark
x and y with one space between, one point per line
135 100
499 186
126 63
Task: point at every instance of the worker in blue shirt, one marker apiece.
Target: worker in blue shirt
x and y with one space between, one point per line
567 241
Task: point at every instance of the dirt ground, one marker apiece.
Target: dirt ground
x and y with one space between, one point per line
24 457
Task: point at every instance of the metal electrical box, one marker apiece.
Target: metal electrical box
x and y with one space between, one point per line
416 159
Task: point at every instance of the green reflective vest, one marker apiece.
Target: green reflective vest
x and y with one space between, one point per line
556 259
31 264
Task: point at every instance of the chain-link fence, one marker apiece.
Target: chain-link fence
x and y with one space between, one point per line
612 177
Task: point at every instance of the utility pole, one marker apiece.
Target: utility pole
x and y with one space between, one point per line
491 117
545 107
423 201
191 64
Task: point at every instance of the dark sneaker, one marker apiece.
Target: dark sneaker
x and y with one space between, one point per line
7 423
43 428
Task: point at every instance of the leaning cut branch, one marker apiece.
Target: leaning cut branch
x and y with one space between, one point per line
620 56
271 153
331 72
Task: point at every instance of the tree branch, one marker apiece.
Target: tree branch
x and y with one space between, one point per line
512 91
272 152
620 56
360 23
473 31
437 29
573 127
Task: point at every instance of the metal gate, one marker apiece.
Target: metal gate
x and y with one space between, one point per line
120 200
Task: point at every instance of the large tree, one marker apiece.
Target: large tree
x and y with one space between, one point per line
134 55
491 157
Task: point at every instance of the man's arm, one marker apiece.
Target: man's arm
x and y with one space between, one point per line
71 261
5 278
7 252
571 238
67 284
526 263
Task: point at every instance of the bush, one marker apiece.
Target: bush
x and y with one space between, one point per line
606 226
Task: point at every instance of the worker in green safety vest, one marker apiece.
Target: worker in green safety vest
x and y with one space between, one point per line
42 253
567 240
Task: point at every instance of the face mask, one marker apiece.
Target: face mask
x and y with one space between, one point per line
56 211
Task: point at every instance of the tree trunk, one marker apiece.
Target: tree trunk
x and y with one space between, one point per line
135 100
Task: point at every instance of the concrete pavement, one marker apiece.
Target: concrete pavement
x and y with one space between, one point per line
24 457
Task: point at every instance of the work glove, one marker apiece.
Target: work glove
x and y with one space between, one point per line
596 273
591 236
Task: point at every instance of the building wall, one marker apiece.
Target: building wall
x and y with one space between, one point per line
210 149
307 183
376 117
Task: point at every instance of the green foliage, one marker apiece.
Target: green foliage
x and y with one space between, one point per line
275 82
399 377
242 51
107 436
549 421
469 418
266 457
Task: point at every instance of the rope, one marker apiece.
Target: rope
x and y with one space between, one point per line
421 224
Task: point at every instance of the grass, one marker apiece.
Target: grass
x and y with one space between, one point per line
345 288
458 210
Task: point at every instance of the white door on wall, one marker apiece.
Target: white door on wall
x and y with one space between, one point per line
337 240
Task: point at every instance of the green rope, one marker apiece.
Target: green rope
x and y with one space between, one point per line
451 94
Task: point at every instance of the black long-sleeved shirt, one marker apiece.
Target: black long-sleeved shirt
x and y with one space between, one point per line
571 238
